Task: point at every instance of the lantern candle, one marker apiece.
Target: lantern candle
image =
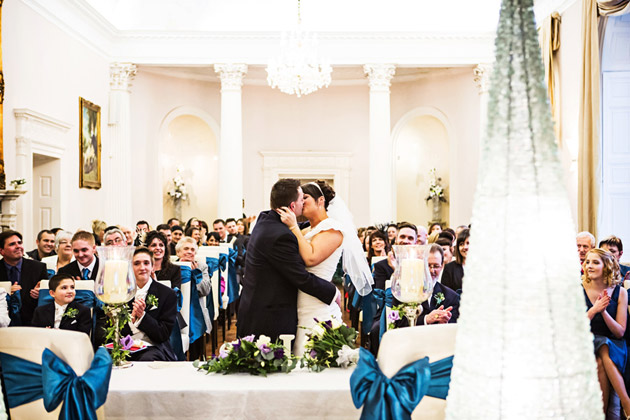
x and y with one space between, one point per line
115 281
411 280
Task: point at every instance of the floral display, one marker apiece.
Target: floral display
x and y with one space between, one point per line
435 189
258 357
330 344
178 192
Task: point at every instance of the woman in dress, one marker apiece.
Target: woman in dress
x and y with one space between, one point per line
162 266
63 247
378 246
607 309
453 275
321 248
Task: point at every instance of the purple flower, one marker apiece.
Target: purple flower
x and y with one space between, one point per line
126 342
237 345
249 338
223 354
328 324
313 354
264 349
393 316
278 353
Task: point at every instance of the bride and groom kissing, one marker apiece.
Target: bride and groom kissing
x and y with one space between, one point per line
288 271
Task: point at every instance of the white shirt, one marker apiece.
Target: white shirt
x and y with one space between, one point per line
137 334
4 309
89 267
59 311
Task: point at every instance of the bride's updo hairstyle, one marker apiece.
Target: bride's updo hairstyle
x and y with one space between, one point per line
319 188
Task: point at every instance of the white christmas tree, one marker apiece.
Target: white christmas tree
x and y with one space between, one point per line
524 349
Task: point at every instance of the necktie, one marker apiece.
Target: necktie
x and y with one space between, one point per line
13 275
85 274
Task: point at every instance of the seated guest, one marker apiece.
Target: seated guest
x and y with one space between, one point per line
614 245
453 275
85 265
213 239
447 247
5 320
383 270
23 273
142 228
45 245
435 227
162 266
63 313
128 234
193 221
165 230
195 233
449 234
219 227
422 235
392 231
242 227
176 234
173 221
63 249
98 229
585 242
203 230
230 227
379 246
187 252
114 237
607 309
153 311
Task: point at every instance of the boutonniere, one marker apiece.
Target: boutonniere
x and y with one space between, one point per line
439 298
152 301
71 313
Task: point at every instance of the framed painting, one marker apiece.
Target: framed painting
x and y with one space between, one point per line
89 145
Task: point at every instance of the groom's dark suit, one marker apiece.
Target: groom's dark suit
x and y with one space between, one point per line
274 271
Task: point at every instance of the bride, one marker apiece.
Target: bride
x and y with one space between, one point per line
321 246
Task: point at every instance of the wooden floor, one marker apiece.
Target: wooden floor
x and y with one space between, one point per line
230 333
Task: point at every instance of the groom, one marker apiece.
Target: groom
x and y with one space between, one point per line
274 271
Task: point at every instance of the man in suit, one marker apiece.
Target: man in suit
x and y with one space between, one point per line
218 226
153 311
407 235
23 273
230 227
274 271
85 265
45 245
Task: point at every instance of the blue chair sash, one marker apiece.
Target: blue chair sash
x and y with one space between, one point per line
233 288
395 398
50 273
180 299
84 297
197 324
213 266
383 298
56 382
14 303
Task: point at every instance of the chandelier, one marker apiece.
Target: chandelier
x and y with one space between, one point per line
298 70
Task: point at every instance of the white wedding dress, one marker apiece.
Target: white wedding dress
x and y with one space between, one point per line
308 306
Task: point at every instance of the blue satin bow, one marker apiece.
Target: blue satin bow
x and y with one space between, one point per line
197 324
383 298
233 288
56 382
83 296
14 303
395 398
50 273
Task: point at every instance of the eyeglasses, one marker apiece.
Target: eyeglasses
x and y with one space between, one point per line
117 240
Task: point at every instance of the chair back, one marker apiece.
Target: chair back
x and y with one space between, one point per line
166 283
213 252
51 262
626 284
28 343
185 312
405 345
6 285
378 258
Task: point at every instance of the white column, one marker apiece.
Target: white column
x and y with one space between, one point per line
119 203
481 77
231 144
381 171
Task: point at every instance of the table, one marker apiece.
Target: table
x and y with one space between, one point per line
176 390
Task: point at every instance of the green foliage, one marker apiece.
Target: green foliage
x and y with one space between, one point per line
117 317
322 349
71 313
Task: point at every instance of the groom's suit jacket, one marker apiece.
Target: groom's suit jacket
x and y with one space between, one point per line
274 271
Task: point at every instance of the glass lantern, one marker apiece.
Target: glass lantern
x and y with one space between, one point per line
115 282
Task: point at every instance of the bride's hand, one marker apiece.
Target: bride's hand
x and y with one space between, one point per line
287 217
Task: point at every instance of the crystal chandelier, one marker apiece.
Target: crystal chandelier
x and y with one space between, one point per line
298 70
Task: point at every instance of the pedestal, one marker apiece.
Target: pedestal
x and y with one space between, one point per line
8 208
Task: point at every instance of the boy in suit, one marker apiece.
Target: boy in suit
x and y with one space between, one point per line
64 313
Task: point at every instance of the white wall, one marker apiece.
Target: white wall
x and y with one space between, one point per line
47 70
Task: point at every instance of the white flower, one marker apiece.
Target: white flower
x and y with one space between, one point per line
226 347
347 356
262 340
318 331
335 322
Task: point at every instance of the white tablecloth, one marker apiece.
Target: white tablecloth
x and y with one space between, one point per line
178 391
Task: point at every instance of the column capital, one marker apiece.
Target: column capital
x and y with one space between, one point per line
481 77
231 75
379 76
121 74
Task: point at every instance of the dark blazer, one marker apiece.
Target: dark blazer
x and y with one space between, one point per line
451 298
44 316
382 272
453 275
274 271
34 254
172 273
73 269
32 272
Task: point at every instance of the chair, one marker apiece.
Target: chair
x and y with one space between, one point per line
185 312
28 343
51 262
405 345
6 285
166 283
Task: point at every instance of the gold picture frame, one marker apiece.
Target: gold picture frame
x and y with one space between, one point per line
89 144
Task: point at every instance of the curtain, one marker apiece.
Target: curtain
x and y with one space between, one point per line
589 144
550 43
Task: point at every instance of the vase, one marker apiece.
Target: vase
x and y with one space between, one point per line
437 208
178 208
412 283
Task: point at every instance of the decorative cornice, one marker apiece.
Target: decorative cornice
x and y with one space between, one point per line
121 75
379 76
44 133
481 77
231 75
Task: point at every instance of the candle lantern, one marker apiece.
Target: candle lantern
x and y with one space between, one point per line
411 282
115 286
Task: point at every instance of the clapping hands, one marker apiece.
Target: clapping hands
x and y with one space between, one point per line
138 309
602 302
439 315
